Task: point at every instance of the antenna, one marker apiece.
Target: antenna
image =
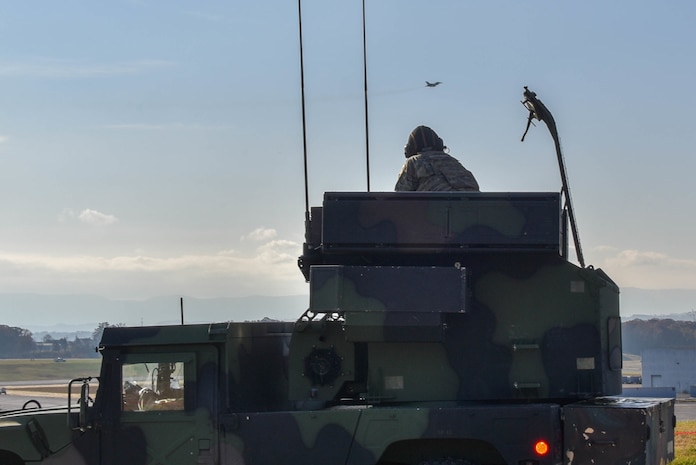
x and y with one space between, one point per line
367 131
304 123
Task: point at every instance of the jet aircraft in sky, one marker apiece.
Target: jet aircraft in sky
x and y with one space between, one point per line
432 84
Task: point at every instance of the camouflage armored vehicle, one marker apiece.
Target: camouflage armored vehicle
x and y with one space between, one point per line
442 328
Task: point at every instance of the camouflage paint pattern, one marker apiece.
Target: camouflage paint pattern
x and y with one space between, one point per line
349 434
474 280
441 328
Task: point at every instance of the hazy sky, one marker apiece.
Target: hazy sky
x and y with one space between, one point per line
155 147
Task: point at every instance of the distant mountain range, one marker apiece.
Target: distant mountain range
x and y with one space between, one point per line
71 313
677 304
68 314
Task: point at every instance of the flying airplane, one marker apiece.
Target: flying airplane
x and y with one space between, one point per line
432 84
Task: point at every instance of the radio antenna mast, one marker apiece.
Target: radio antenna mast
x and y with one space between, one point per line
367 131
304 123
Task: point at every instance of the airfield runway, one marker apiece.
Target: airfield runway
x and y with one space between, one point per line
685 409
47 395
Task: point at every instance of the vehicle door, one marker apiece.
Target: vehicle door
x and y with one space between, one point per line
167 408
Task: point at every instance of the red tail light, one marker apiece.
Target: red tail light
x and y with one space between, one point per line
541 447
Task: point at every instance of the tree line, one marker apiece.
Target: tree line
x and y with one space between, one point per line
19 343
638 335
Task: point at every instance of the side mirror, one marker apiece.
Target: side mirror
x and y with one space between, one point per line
83 401
84 404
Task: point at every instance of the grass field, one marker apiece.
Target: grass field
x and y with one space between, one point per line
685 443
14 370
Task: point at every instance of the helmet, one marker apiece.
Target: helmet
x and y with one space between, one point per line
420 139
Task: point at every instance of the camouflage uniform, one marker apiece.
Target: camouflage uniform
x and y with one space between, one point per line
429 168
435 171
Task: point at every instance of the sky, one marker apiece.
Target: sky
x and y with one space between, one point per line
152 148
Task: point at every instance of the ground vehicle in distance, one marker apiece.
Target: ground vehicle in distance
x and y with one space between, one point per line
442 328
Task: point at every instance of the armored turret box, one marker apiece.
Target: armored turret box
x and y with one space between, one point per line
432 223
450 296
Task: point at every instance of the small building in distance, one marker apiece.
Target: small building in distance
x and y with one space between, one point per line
669 368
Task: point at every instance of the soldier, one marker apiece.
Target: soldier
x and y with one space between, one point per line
429 168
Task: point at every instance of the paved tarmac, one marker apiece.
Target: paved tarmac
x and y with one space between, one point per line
685 409
15 402
19 393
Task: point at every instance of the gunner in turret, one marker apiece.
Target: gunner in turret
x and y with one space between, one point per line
429 168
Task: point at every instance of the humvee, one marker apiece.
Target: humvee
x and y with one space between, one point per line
442 328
